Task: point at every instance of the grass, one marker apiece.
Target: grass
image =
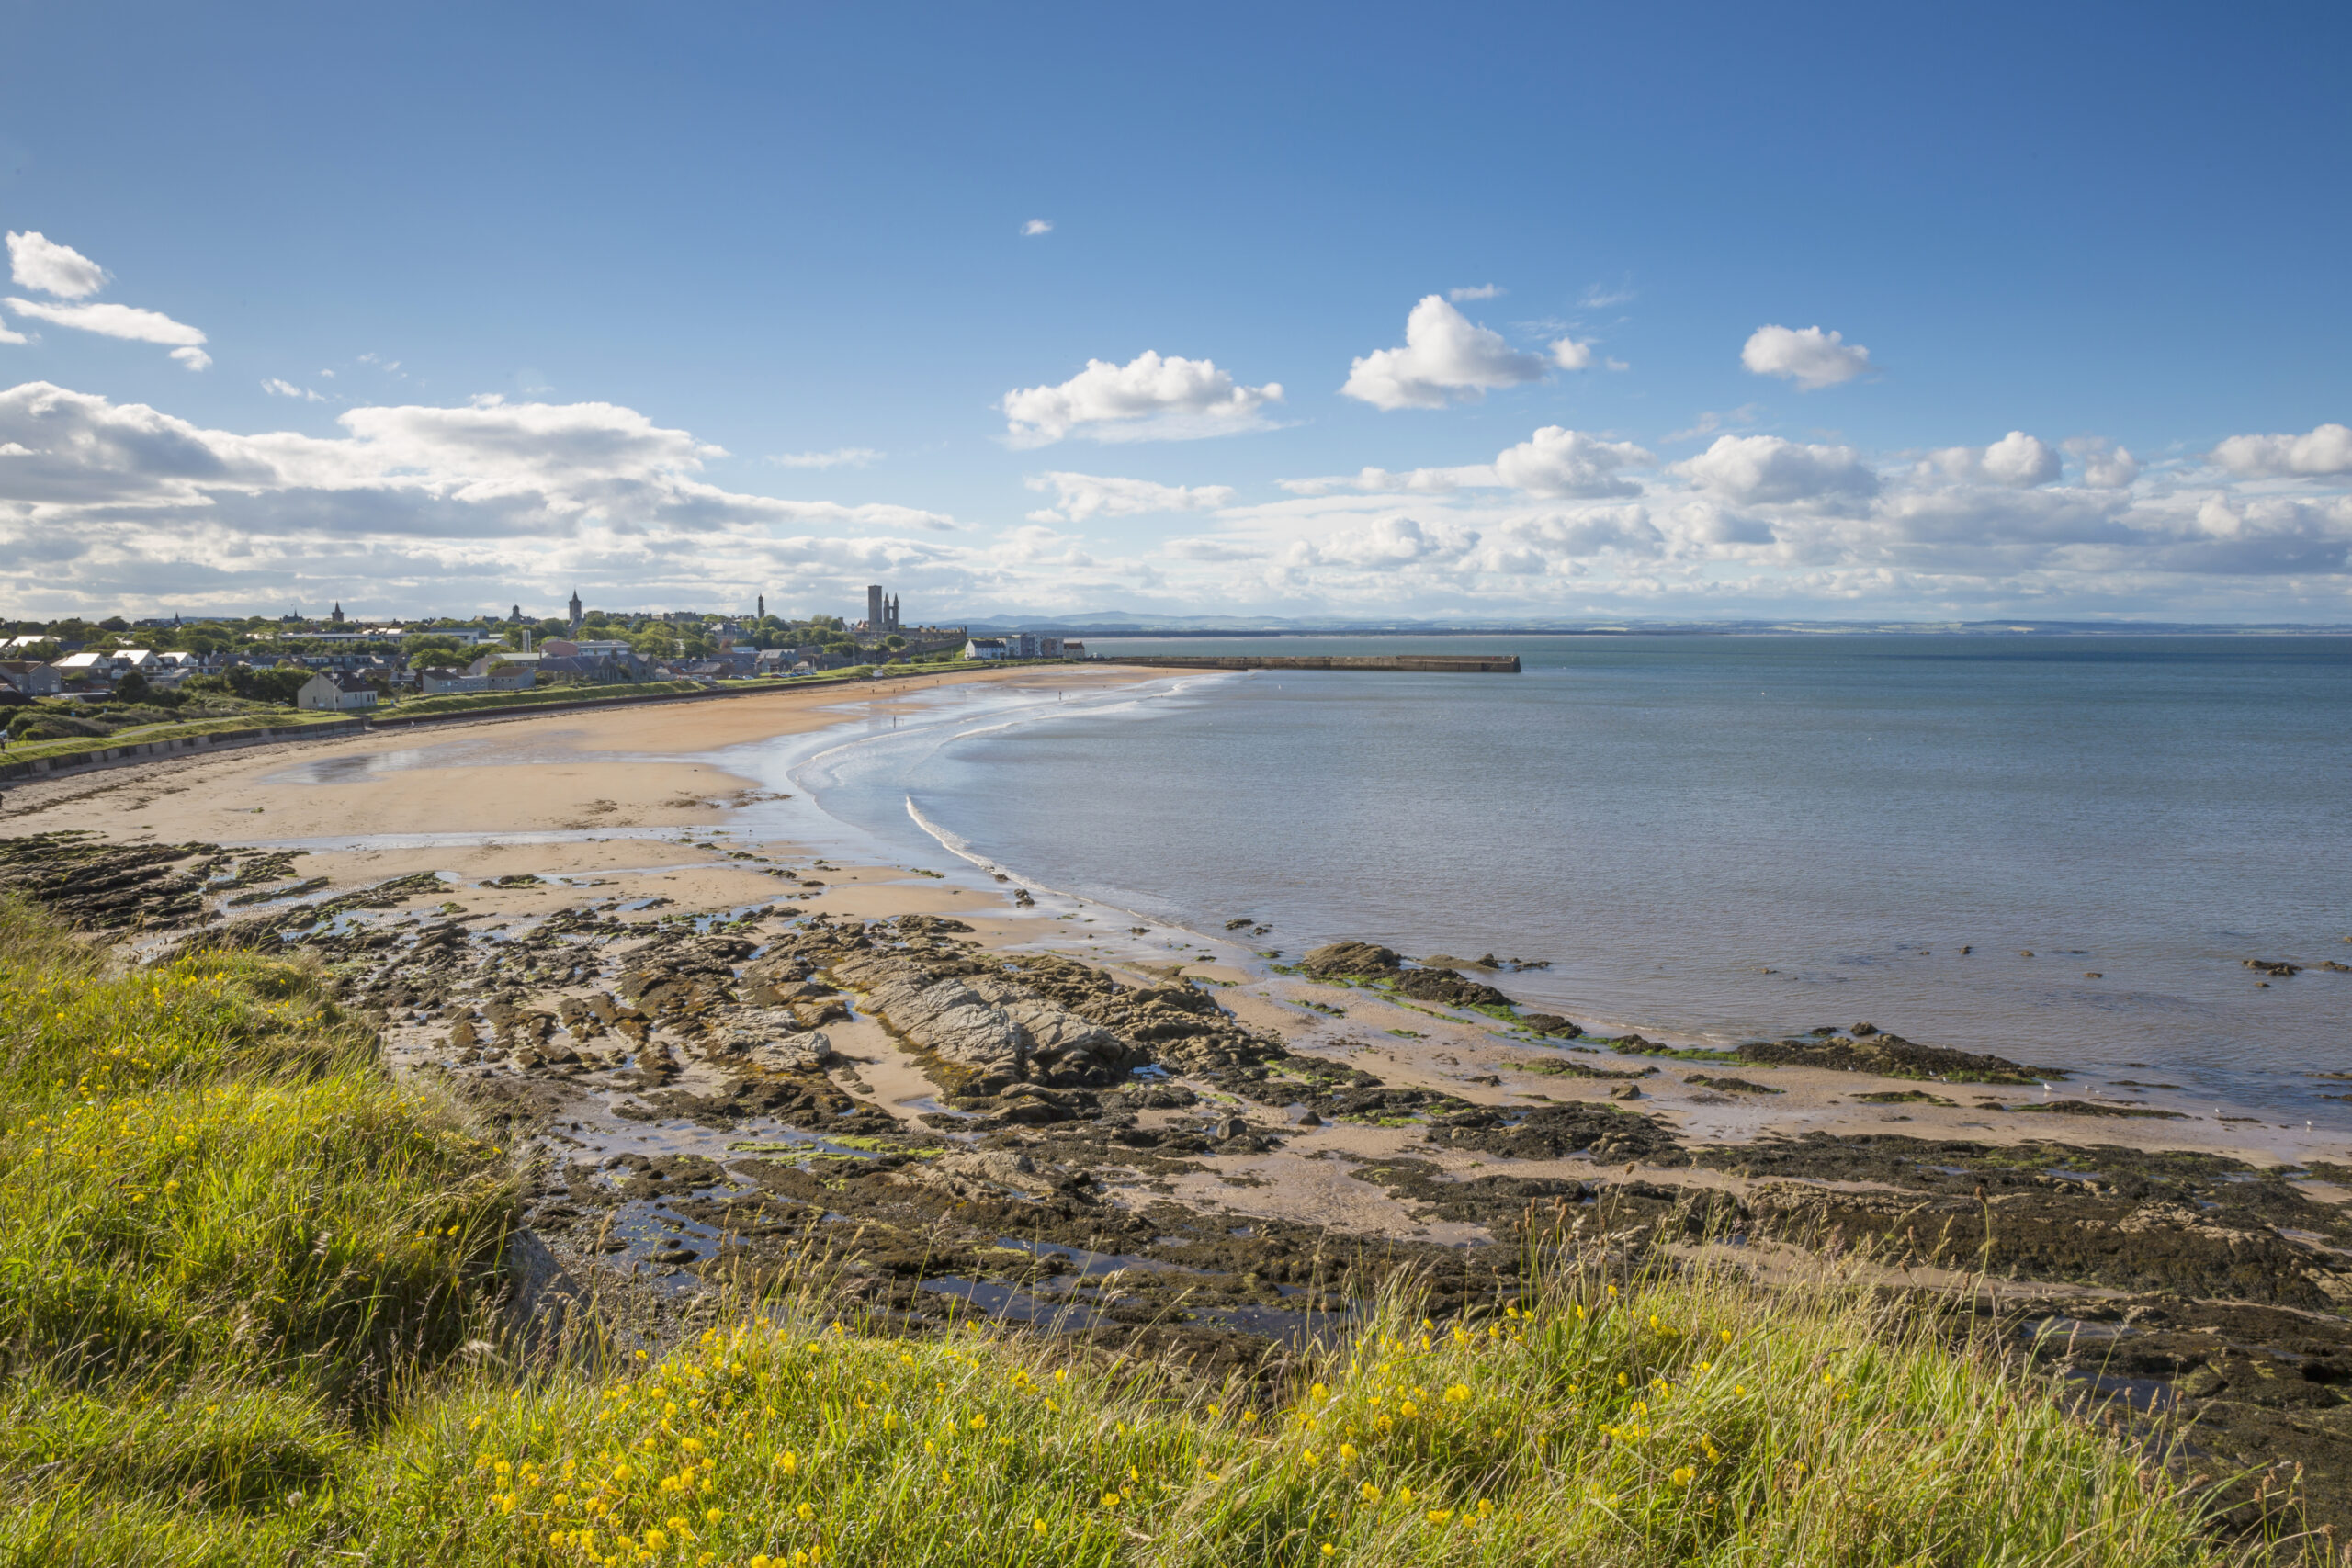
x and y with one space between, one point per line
243 1323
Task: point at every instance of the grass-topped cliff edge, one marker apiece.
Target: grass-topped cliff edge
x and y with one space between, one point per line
246 1292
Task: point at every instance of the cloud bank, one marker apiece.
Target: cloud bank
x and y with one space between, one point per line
106 506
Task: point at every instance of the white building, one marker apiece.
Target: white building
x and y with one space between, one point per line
334 692
986 648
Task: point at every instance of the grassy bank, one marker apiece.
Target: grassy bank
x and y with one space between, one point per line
227 1242
538 696
242 1269
260 718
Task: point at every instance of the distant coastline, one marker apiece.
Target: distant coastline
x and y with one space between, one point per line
1113 625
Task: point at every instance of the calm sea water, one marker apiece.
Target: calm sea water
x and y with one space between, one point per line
1719 837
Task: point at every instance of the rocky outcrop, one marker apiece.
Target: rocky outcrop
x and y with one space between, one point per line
1179 1025
992 1032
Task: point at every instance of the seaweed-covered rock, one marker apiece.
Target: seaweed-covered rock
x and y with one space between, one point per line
1345 960
1449 989
1554 1132
1891 1055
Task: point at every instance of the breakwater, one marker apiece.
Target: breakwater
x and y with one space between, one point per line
1423 663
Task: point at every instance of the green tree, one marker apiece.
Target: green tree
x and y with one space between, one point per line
434 652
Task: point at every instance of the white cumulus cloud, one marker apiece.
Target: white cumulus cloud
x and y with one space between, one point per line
277 388
1446 354
1036 226
1080 496
38 262
1484 291
2322 452
1559 464
1148 399
1752 469
1570 355
2016 460
2106 465
1812 358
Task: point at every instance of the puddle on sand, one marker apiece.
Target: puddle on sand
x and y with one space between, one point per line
1092 1264
1286 1327
2145 1396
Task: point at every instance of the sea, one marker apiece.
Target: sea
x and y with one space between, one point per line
2063 850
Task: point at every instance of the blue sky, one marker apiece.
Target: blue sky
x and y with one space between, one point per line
689 303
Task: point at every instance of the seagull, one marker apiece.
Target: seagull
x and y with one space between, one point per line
2045 1089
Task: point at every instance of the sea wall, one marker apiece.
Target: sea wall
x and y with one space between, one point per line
1423 663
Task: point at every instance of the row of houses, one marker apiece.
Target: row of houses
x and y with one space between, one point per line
1024 644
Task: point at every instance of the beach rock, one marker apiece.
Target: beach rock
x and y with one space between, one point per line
796 1053
977 1173
1449 989
1891 1055
1735 1086
1550 1024
928 925
1343 960
1554 1132
823 1010
990 1025
2276 968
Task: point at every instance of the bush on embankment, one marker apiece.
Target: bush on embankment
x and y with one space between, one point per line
239 1259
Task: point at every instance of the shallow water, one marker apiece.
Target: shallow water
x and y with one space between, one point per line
1722 837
